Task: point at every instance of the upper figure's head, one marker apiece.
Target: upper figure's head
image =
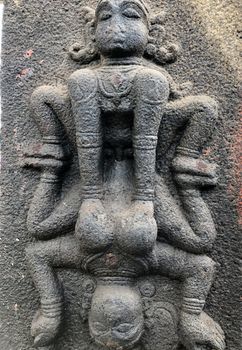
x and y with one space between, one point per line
123 28
116 318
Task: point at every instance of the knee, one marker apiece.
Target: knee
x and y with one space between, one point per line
42 91
36 251
207 104
203 265
57 97
152 86
45 93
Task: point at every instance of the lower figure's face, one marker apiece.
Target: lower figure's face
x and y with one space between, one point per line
116 320
121 28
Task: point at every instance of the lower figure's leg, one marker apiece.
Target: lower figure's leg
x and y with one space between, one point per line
197 329
196 272
42 258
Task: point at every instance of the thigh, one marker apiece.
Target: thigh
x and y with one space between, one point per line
59 252
170 261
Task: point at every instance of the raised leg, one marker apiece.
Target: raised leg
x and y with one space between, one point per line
93 226
197 115
49 105
42 258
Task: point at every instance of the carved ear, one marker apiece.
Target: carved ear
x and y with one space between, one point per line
168 53
158 19
157 30
158 48
84 54
88 20
87 13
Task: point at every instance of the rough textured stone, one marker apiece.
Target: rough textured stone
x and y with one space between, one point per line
37 37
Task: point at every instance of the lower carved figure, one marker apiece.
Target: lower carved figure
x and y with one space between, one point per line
116 259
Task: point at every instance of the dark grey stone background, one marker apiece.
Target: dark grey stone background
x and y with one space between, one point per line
209 36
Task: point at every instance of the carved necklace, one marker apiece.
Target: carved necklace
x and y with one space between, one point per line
116 83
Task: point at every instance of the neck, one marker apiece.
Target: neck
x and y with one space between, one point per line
117 61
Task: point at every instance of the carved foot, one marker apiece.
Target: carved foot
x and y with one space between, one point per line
93 228
46 325
201 332
138 228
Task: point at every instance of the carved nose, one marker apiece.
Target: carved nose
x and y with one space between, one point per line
116 27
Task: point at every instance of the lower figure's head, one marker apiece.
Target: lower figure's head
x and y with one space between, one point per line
116 318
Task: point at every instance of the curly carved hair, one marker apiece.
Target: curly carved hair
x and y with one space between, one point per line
158 48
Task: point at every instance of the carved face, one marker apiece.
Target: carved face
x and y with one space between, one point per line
116 319
121 28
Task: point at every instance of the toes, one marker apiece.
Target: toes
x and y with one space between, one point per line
42 339
219 330
34 327
219 345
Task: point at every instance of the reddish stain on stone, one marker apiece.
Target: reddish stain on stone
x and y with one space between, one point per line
28 53
207 151
24 73
36 147
202 166
111 260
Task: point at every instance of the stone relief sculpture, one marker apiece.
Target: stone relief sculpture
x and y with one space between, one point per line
119 220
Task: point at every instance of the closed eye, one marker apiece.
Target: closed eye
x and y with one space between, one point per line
124 328
99 327
131 13
103 16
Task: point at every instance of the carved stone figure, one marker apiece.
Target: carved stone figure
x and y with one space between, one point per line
120 220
